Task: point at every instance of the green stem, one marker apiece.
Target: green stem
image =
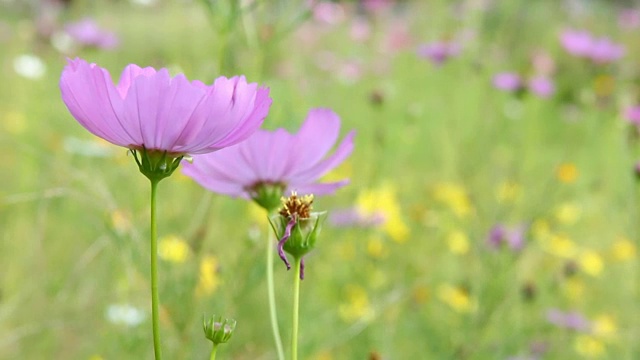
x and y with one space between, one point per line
272 297
155 298
296 307
213 352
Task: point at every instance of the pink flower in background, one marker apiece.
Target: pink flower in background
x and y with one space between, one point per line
542 86
439 51
576 42
569 320
632 115
377 6
605 51
513 237
360 30
86 32
581 43
507 81
291 162
150 110
327 12
629 19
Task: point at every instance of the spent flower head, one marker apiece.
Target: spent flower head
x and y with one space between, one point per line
296 227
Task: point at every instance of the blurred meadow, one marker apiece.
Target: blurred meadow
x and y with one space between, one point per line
492 210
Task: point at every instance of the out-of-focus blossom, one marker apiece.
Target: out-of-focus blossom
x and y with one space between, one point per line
567 173
288 162
458 242
591 262
541 86
125 314
378 208
632 115
327 12
513 237
398 37
572 320
604 51
208 280
576 42
357 306
623 249
377 6
507 81
629 19
455 197
542 63
581 43
457 298
360 30
589 346
86 32
151 111
173 249
604 326
508 191
439 51
568 213
29 66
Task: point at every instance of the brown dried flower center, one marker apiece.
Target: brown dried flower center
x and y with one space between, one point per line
299 207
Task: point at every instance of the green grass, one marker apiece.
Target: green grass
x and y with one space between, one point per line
64 261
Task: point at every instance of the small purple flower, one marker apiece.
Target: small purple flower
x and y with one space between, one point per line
438 52
507 81
354 217
277 158
604 51
632 115
572 320
576 42
86 32
542 86
150 110
513 237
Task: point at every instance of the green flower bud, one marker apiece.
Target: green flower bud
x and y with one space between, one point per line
217 330
267 194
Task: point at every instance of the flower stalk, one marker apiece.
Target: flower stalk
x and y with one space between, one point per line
296 306
155 298
273 315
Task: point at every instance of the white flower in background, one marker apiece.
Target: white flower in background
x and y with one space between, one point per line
62 41
29 66
125 314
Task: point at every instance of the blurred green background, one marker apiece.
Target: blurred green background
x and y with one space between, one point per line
440 152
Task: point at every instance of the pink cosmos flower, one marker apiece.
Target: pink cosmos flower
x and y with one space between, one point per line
507 81
86 32
150 110
290 162
542 86
632 115
438 52
604 51
576 42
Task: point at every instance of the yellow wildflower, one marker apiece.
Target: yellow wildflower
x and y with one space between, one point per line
591 262
568 213
15 123
120 221
623 249
604 326
540 230
508 191
383 200
376 247
589 346
96 357
574 289
173 249
567 173
560 245
357 307
208 280
458 242
456 298
455 197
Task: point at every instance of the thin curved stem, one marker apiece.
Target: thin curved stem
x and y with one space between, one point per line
155 298
296 307
272 296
